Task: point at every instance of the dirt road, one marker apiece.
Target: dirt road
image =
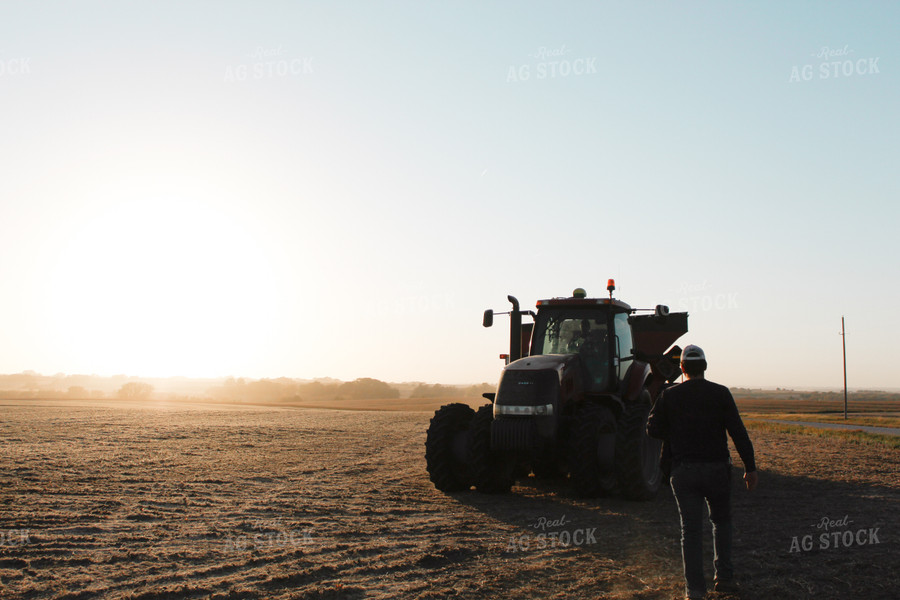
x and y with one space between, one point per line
168 502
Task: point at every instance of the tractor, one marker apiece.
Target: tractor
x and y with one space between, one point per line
572 401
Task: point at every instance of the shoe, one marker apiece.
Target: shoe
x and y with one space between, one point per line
695 596
727 586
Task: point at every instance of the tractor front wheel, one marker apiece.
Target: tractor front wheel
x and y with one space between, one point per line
492 472
445 447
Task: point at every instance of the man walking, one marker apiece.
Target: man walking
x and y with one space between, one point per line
693 418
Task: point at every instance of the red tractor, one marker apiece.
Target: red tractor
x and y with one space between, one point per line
573 400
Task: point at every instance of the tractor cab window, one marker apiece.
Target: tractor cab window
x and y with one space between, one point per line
624 344
569 336
581 333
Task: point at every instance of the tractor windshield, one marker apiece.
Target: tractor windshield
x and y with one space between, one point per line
576 332
568 334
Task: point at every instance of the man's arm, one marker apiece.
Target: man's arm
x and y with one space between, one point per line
735 427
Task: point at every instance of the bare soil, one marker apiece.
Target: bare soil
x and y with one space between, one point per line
178 501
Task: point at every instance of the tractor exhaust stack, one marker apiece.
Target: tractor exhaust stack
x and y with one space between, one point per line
515 330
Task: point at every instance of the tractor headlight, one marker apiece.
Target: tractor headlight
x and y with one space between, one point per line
544 410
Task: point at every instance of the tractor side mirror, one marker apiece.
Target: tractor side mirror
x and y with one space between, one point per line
488 318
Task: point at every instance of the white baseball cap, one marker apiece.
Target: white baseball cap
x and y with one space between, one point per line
692 352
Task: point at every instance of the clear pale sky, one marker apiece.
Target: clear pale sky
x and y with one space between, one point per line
339 189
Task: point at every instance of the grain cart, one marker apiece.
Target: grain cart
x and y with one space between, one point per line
572 400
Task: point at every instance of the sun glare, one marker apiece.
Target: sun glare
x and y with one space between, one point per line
161 285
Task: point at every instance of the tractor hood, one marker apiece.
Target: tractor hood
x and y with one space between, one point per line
543 362
531 385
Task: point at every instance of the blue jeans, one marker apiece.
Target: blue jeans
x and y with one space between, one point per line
693 484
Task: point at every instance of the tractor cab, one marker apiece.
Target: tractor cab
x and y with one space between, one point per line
596 331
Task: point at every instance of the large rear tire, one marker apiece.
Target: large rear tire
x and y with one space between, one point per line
637 454
445 447
492 472
592 450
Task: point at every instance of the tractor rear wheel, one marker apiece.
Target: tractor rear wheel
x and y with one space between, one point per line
492 472
592 450
445 447
637 454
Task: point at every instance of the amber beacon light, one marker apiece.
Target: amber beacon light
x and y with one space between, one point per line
610 286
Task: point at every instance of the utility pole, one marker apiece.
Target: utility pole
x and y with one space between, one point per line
844 345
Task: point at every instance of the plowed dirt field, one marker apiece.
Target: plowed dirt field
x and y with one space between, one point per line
181 501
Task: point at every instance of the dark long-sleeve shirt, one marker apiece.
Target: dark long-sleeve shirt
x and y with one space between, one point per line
693 417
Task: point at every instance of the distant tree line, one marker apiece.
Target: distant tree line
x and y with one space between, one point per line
262 390
135 390
29 384
824 396
437 390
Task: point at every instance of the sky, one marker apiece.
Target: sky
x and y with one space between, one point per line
339 189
